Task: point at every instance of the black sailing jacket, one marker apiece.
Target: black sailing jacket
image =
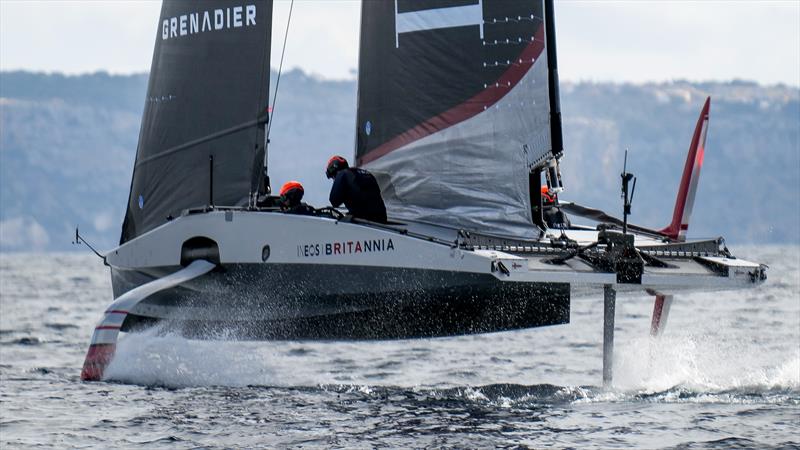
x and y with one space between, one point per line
302 209
360 193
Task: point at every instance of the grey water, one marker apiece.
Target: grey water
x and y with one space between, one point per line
726 374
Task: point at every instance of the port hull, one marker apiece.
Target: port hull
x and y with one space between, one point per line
322 302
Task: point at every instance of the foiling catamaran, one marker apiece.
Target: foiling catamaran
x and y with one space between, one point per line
459 120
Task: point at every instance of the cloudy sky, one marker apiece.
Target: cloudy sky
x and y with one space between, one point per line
597 40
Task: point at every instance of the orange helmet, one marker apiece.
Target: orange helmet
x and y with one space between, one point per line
335 164
289 185
291 192
546 195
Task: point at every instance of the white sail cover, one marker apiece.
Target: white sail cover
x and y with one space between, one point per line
454 110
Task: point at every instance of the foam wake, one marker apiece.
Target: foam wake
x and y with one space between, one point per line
706 363
682 368
155 358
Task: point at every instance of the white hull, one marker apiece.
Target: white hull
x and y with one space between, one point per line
276 268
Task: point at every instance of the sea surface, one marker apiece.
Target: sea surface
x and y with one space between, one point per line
726 374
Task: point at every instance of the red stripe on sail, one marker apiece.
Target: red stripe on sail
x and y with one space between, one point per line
470 108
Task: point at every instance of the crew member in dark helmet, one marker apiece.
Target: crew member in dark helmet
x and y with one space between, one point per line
291 196
357 189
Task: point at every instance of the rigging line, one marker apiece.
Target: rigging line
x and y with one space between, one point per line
280 69
80 240
210 137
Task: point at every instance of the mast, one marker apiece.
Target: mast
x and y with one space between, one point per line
552 81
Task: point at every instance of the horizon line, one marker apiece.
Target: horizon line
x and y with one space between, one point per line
355 78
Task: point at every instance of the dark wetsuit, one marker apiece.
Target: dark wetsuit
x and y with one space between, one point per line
301 209
555 218
360 193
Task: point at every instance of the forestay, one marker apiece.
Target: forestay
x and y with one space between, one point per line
207 96
454 109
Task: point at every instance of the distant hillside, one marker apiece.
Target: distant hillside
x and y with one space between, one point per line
67 145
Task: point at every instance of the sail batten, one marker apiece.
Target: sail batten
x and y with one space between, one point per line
212 136
206 97
455 108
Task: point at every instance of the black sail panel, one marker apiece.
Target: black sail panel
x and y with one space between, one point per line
207 96
454 109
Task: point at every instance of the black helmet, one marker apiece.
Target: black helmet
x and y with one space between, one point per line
335 164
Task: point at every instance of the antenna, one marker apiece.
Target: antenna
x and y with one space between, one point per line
626 200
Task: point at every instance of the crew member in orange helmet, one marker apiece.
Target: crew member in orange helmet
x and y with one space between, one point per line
547 199
291 196
551 213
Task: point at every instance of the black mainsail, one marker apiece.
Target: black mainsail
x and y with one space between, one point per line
205 110
457 105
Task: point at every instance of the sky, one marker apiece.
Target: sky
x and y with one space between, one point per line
637 41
